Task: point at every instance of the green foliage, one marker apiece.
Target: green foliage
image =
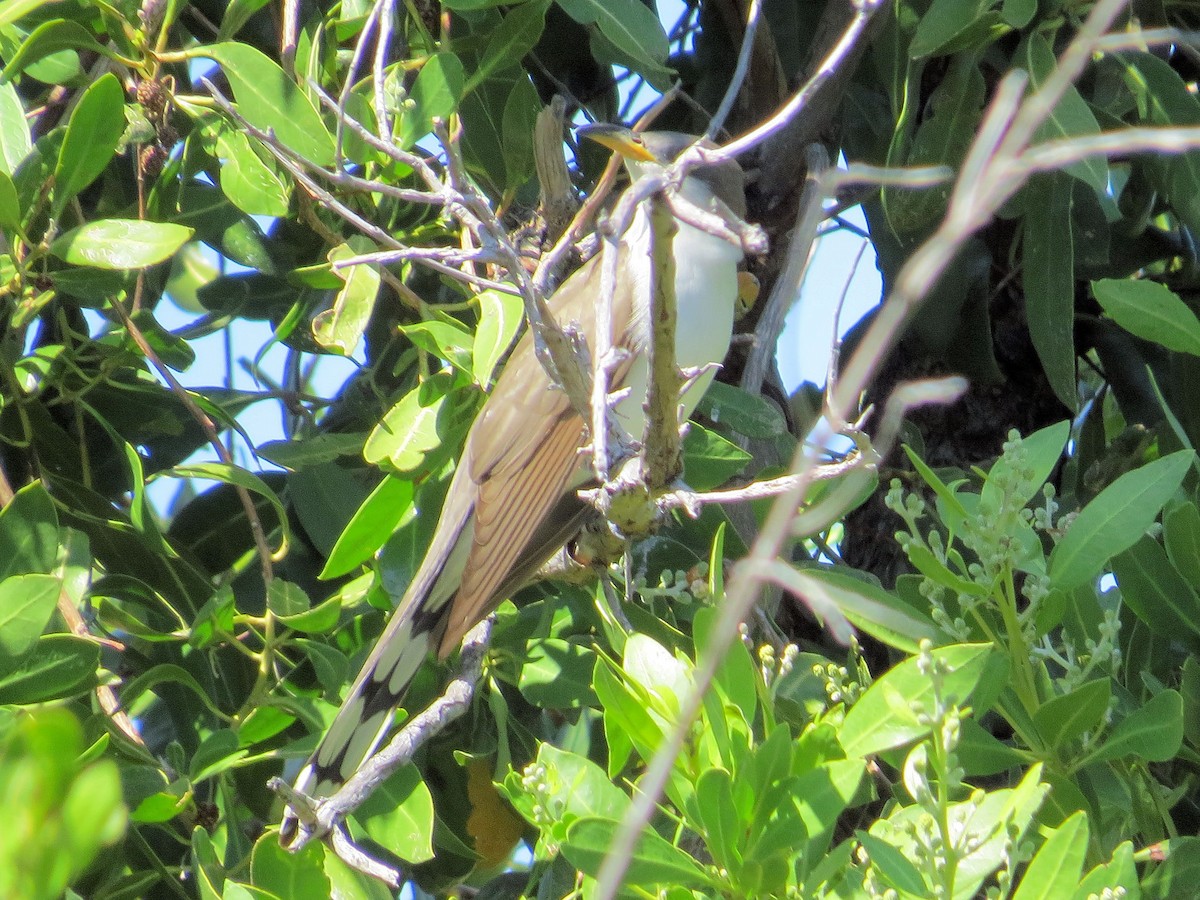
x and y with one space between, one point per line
1018 715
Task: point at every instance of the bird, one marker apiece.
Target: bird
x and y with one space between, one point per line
513 501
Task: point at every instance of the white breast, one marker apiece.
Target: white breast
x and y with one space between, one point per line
705 291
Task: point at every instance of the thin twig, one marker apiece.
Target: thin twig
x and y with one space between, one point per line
739 73
786 290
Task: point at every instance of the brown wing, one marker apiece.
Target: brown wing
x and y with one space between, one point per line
523 454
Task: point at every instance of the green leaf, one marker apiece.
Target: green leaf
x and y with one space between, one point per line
1189 689
952 25
93 132
1049 281
10 204
653 861
1038 455
509 43
49 38
1181 536
886 715
1114 520
251 185
300 875
940 488
1071 118
407 432
942 138
237 14
445 339
1154 732
341 328
1157 593
28 532
517 126
436 93
26 604
375 520
399 815
1054 871
821 796
59 666
500 316
118 244
572 784
892 865
1120 873
558 675
1018 13
15 141
270 101
217 753
1163 99
1175 877
1151 311
629 25
1062 719
748 414
877 612
718 817
314 450
233 475
710 460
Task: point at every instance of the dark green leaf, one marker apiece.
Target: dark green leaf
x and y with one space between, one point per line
49 38
1157 593
558 675
26 604
1181 535
435 94
1071 118
28 532
59 666
93 132
1150 311
952 24
653 861
508 43
1063 719
749 414
1049 280
630 26
1114 521
1154 732
312 451
270 101
710 460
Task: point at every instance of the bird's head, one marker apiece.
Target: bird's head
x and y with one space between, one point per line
650 151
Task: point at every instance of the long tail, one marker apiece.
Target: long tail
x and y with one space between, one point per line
362 722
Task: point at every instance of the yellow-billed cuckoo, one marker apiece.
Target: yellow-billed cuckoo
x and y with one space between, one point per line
512 501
